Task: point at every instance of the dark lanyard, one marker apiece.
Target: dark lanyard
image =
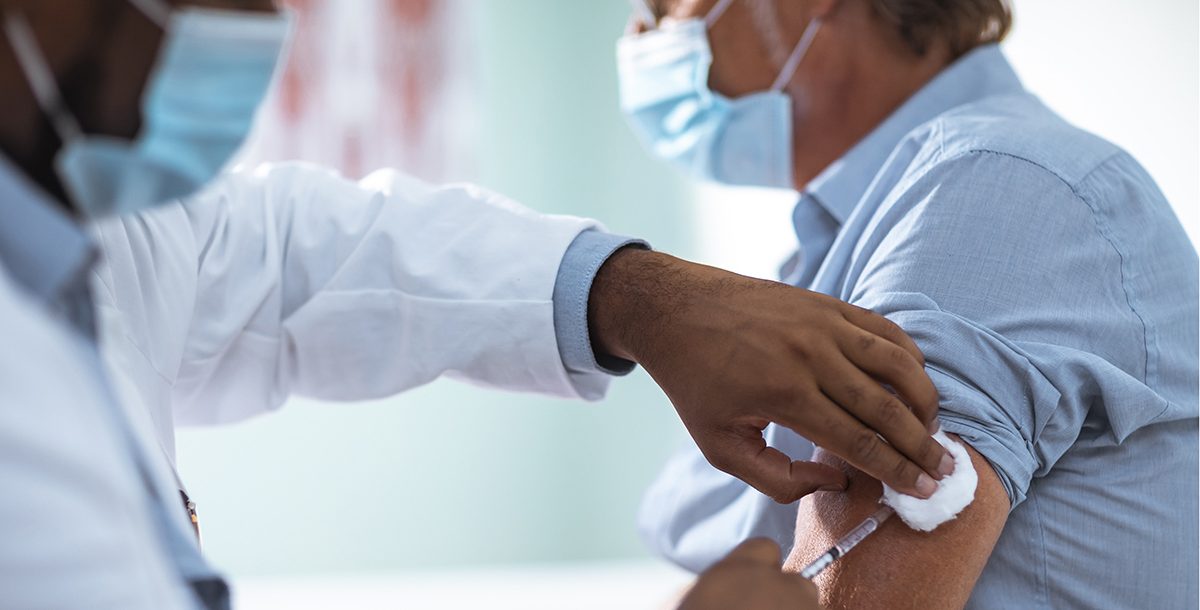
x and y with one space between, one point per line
190 507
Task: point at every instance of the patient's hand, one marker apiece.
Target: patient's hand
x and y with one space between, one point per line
750 578
898 567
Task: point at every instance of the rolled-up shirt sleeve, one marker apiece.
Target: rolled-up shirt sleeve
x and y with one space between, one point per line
1007 302
580 264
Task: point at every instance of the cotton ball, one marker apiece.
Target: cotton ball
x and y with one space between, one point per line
953 494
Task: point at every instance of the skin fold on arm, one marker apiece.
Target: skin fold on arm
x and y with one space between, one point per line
898 567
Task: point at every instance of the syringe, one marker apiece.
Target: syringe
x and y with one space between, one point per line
847 542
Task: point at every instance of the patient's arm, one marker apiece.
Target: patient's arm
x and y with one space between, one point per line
898 567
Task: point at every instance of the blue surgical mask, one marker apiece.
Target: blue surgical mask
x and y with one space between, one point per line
213 71
665 95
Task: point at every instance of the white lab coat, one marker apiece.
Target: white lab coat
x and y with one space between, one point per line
291 280
285 280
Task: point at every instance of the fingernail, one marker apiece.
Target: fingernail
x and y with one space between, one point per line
934 426
926 485
946 468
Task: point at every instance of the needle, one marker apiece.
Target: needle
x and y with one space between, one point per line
847 542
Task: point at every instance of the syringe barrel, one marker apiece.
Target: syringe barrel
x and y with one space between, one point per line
864 529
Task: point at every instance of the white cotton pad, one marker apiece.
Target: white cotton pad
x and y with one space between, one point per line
953 494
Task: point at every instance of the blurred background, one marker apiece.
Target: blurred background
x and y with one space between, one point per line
450 496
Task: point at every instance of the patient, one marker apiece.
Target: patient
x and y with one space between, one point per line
1045 278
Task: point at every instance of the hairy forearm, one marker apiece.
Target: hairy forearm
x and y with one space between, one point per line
898 567
627 299
639 296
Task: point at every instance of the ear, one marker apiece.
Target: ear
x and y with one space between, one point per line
635 26
823 9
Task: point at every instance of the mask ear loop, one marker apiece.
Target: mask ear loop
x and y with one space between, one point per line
716 12
40 76
155 10
793 62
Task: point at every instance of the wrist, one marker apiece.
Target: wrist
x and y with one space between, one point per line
629 302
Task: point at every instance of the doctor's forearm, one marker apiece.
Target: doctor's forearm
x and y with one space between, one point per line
631 299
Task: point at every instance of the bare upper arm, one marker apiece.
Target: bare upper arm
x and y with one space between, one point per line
898 567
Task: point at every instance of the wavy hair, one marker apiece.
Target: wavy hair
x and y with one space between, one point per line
963 24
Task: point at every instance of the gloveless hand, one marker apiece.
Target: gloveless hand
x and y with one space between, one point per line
750 579
734 354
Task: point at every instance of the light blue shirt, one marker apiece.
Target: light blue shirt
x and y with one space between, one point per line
46 256
572 288
1054 294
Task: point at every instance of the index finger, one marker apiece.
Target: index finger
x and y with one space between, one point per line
743 453
847 437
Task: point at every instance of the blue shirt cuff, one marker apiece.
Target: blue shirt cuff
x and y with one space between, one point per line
583 259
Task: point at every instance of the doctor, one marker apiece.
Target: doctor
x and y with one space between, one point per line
291 280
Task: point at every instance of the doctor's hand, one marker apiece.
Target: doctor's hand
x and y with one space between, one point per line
735 353
750 578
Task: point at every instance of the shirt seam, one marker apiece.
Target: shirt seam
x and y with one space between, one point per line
1044 572
1149 370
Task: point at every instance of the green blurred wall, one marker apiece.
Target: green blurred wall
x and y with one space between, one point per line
450 474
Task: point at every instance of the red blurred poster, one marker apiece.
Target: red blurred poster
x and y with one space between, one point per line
370 84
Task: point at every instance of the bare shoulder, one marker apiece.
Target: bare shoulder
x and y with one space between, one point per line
898 567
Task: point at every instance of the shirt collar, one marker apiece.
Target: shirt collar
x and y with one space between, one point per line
982 73
41 248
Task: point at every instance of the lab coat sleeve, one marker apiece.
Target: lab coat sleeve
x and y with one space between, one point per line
289 279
